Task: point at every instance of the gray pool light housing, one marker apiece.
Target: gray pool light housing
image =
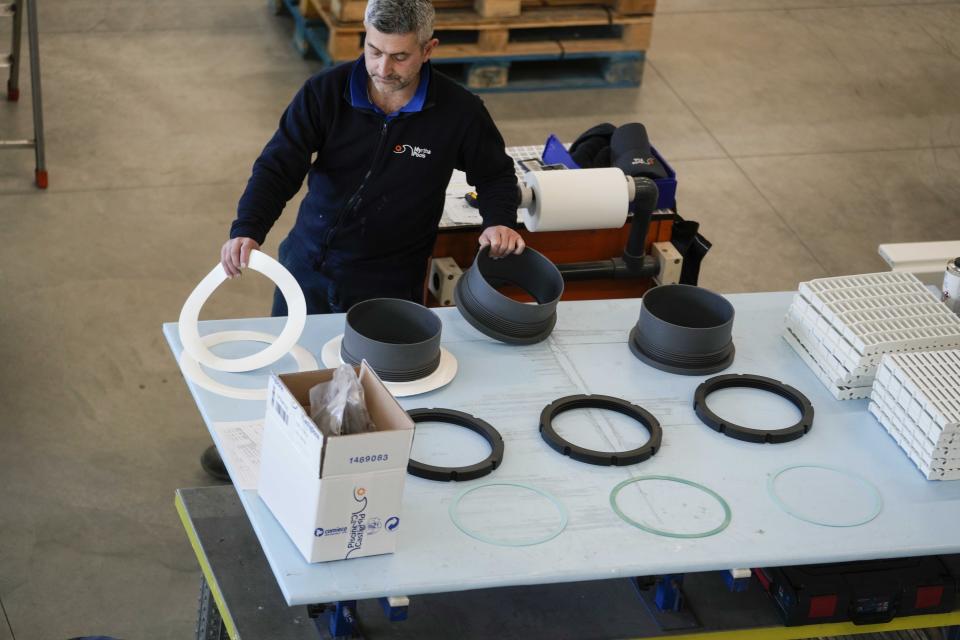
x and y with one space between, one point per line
684 329
399 339
505 319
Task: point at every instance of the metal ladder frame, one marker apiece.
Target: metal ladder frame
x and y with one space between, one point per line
16 11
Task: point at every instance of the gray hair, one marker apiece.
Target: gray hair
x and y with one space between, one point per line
401 16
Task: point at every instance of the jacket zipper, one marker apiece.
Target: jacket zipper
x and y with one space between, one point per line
355 198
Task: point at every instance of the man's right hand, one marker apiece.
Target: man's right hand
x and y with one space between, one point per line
235 254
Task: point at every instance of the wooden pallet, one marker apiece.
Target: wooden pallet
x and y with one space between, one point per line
556 31
581 71
552 68
352 10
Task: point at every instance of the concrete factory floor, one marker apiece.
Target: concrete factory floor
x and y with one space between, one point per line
804 133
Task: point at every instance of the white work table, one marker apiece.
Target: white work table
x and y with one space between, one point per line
587 353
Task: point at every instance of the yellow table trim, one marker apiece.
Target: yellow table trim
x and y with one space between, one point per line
205 568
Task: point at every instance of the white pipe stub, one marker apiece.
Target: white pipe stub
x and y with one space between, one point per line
296 319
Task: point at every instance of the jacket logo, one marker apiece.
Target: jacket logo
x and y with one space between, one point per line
647 161
416 152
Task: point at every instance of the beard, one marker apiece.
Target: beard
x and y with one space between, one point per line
391 83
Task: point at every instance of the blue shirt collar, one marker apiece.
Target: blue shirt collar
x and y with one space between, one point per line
360 99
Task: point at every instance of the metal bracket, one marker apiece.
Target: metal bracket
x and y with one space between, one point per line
665 601
343 621
395 607
340 618
444 275
670 262
737 580
669 592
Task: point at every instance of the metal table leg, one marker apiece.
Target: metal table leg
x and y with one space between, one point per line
38 142
13 82
16 10
210 625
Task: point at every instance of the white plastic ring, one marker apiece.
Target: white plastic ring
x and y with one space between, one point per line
195 373
296 318
443 375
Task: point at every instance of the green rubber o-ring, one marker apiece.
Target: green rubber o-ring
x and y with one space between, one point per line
505 543
671 534
875 508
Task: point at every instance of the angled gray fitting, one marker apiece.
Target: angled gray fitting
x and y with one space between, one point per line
684 329
400 339
502 318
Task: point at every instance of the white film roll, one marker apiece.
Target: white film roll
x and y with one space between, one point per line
296 318
577 199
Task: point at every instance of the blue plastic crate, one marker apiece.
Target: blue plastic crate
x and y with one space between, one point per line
555 153
667 186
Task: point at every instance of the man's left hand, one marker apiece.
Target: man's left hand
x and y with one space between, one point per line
502 241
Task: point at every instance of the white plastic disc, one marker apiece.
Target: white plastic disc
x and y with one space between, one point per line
443 374
296 318
195 373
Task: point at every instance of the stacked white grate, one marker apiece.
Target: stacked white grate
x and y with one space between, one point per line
841 327
916 397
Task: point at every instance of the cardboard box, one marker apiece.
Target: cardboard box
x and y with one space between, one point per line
336 497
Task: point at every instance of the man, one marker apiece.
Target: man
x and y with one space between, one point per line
387 131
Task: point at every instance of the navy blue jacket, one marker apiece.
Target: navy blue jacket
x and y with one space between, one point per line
376 184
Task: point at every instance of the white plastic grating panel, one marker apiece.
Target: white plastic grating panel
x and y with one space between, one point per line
871 304
877 338
916 398
881 313
837 371
930 473
942 445
933 378
824 298
903 440
840 393
847 324
808 321
924 407
870 334
908 329
866 328
919 417
931 467
847 361
861 280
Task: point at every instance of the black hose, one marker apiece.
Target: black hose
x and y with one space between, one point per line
644 204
